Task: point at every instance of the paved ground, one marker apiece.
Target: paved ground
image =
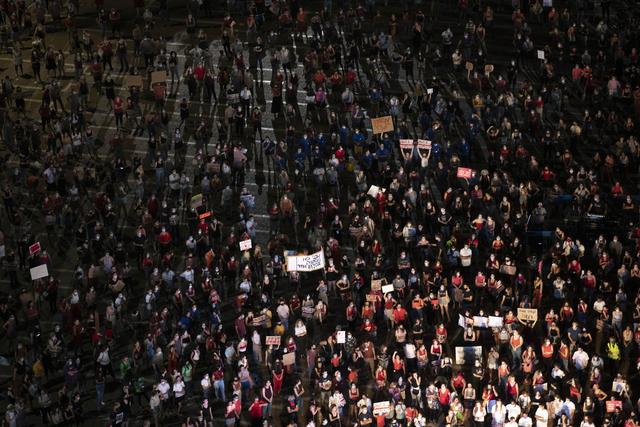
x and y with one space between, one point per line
103 123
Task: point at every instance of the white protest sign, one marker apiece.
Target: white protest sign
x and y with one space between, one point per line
39 272
495 321
311 262
387 289
541 54
381 408
373 191
245 245
462 321
480 321
341 337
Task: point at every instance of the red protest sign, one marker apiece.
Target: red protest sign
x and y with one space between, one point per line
465 173
35 248
205 215
612 405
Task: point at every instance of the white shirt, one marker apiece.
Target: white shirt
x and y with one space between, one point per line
178 389
525 421
205 383
542 417
410 351
513 411
465 257
164 388
283 311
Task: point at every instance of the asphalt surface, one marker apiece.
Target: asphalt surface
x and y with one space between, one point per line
499 42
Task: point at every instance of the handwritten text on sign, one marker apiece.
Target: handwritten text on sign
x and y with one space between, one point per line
528 314
311 262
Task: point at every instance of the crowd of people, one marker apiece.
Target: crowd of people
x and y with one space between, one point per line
473 260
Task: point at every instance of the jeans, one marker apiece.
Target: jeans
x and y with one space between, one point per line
218 387
99 395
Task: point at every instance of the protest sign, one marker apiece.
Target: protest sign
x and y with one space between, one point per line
289 359
612 405
468 355
245 245
272 340
311 262
133 81
380 408
205 215
374 190
528 314
39 272
259 320
341 337
541 54
480 321
424 144
406 144
35 248
464 173
158 77
376 284
462 321
382 124
196 201
495 322
387 289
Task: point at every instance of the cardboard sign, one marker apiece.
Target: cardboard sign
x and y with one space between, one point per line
464 173
341 337
380 408
311 262
289 359
469 66
158 77
133 81
205 215
612 405
382 124
468 355
541 55
528 314
272 340
387 289
39 272
35 248
196 201
260 320
245 245
495 322
376 284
